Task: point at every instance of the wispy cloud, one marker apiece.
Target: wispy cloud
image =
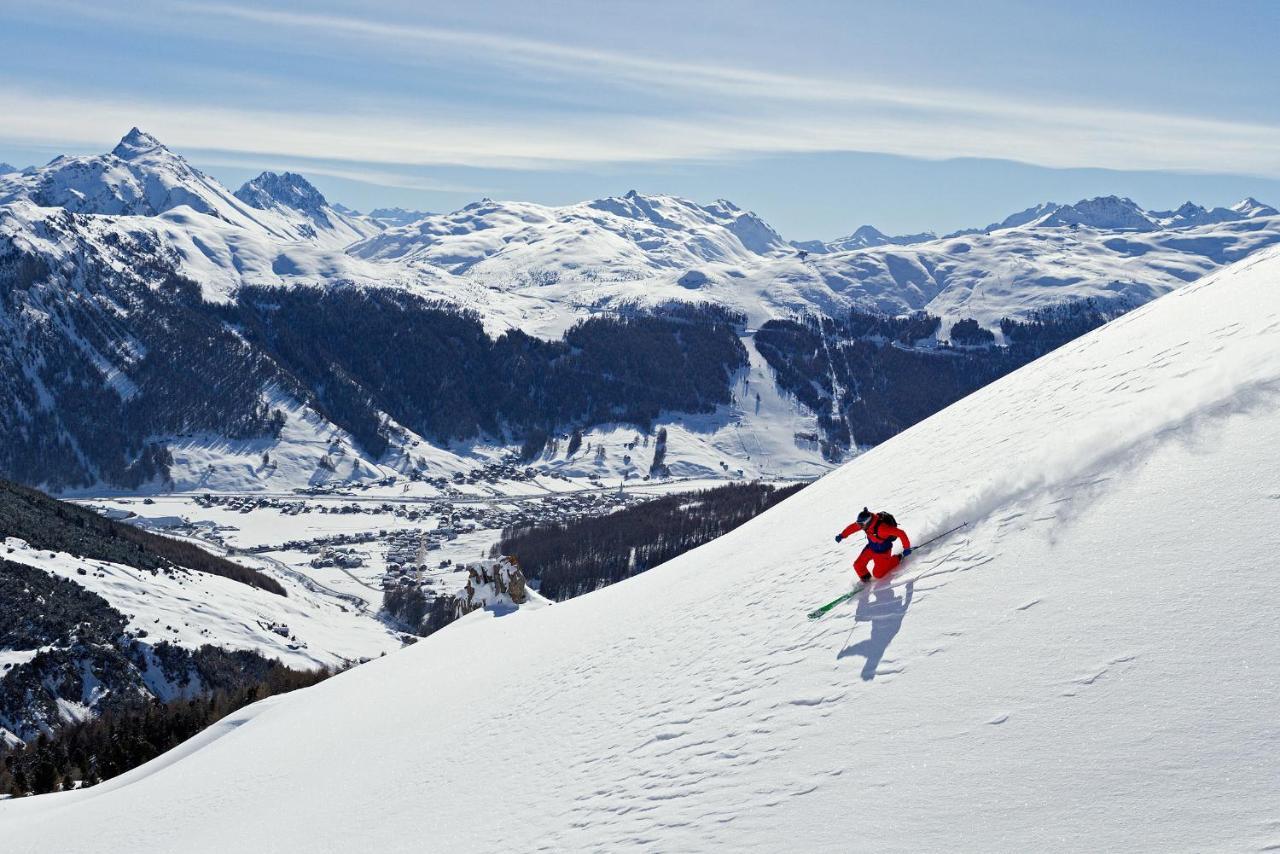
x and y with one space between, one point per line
717 111
403 180
1058 138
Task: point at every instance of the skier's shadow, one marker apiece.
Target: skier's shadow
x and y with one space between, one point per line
885 611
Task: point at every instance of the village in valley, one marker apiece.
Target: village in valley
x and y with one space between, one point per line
353 542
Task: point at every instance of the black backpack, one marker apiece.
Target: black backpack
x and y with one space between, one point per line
887 519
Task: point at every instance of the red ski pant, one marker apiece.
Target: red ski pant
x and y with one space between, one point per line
883 563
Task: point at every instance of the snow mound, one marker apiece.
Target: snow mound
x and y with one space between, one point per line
1097 645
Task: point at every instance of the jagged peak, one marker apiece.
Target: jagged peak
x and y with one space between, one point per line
1251 207
867 231
1113 200
286 188
136 142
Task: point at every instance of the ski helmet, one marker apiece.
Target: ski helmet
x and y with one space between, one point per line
864 517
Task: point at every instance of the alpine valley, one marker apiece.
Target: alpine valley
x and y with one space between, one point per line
299 437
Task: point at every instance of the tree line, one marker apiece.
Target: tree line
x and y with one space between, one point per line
82 754
360 353
46 523
572 558
867 378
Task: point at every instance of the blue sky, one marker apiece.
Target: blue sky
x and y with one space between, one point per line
820 116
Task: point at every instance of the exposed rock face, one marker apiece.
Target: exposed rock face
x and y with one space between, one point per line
289 189
492 582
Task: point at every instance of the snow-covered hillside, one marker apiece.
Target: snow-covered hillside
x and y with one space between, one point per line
317 628
1090 665
629 237
1007 272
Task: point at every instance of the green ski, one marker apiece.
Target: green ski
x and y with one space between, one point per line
815 614
857 588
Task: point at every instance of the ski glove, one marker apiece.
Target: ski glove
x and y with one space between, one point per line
906 552
839 537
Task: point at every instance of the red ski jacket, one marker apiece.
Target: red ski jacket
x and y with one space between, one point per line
879 534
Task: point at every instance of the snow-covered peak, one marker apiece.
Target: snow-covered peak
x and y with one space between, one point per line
393 217
136 143
141 177
288 188
295 199
1191 214
674 212
1025 217
1103 212
5 168
868 235
1250 208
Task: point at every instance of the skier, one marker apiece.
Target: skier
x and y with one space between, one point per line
881 529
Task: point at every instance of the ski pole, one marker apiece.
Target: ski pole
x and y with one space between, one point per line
940 536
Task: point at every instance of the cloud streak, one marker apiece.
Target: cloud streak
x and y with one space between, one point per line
716 111
1068 138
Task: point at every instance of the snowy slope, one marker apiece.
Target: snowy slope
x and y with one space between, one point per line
1091 665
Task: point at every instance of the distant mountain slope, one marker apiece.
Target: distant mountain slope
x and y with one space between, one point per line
50 525
1008 272
863 237
632 236
1081 654
81 603
392 217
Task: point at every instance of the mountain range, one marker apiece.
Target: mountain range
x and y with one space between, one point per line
164 332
